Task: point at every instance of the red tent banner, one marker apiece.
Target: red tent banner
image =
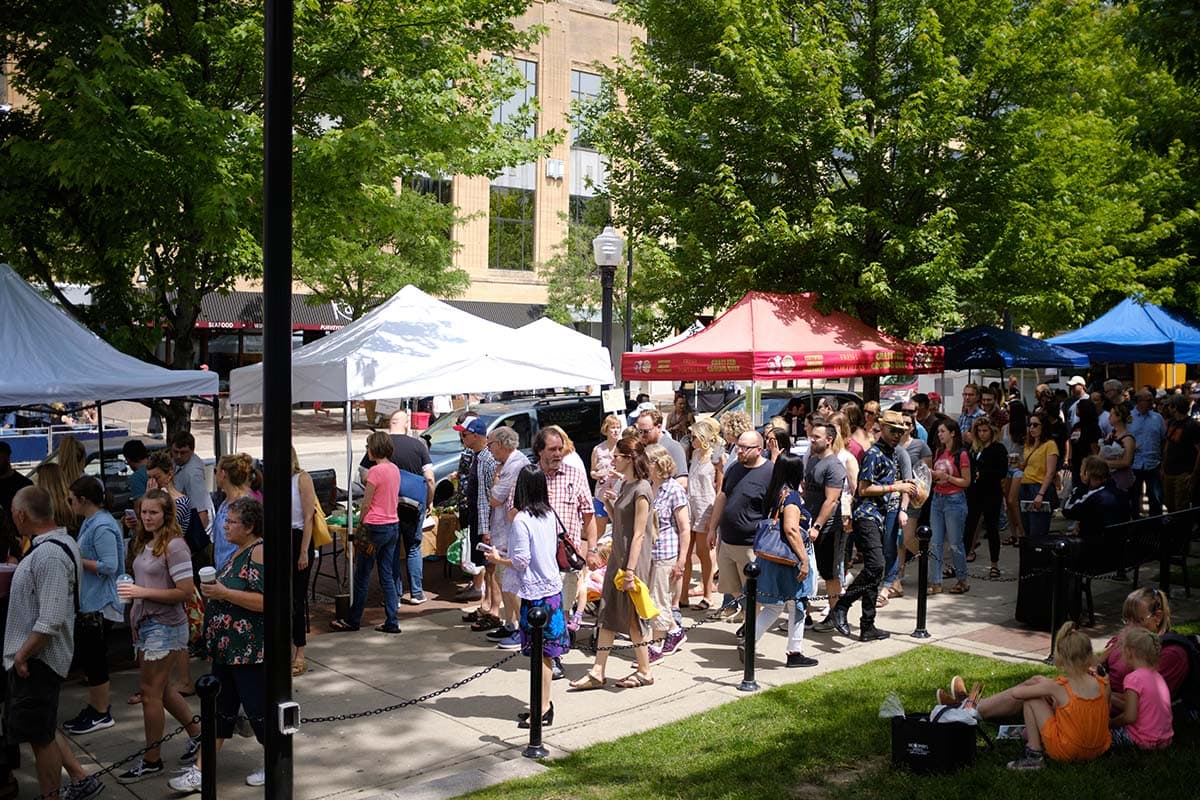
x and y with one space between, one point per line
779 337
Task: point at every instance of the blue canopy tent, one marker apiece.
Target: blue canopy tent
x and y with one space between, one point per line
986 347
1133 331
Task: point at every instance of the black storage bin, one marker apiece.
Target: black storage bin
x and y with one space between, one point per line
927 747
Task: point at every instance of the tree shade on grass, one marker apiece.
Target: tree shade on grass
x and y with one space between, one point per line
823 738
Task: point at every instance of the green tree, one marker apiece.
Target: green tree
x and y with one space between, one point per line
140 151
921 164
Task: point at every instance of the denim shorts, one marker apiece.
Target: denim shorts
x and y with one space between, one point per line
598 508
156 641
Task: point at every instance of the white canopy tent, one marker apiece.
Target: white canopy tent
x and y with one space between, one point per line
414 345
47 355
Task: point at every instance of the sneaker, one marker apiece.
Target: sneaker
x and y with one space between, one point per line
187 782
958 688
575 621
190 749
500 633
259 776
674 640
656 655
1032 759
85 789
141 770
89 721
800 660
556 669
412 601
510 642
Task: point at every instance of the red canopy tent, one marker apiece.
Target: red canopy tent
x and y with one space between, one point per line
778 337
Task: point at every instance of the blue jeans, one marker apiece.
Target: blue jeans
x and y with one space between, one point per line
893 539
408 552
384 538
1037 523
948 518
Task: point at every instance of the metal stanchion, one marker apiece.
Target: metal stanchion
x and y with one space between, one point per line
1058 550
208 688
748 683
537 620
924 535
1166 538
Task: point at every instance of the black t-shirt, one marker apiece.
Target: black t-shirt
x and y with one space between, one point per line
408 453
745 502
821 474
9 486
1179 448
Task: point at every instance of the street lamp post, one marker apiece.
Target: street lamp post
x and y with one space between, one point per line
607 249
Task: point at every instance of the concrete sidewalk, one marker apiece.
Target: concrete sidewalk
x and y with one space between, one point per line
467 738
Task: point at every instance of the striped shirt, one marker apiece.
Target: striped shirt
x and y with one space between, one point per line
571 499
669 499
42 600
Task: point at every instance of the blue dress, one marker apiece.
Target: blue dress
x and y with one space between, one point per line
777 583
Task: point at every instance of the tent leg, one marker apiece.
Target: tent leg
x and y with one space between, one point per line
217 449
349 505
100 439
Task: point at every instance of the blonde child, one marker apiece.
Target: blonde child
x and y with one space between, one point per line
1066 718
1145 720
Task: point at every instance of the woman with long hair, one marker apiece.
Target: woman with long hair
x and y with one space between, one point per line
858 441
100 550
53 479
733 425
948 514
162 583
304 505
1085 438
705 473
532 556
1039 465
1012 436
235 634
679 421
849 462
632 517
1120 446
602 468
776 440
782 586
71 457
989 464
232 477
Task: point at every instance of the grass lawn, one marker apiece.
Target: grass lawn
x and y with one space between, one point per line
824 739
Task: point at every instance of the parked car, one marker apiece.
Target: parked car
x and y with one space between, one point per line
774 401
579 416
897 389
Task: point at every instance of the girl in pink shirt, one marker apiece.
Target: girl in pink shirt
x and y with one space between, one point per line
1145 722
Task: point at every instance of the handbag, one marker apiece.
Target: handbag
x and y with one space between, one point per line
567 556
769 542
194 607
320 528
926 745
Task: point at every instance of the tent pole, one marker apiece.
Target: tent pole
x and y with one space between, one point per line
100 438
217 449
349 506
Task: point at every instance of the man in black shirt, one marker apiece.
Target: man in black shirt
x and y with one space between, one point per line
739 506
11 481
824 477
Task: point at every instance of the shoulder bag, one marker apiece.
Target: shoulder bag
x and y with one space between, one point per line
568 557
769 542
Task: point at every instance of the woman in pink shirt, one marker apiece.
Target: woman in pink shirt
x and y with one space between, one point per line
380 533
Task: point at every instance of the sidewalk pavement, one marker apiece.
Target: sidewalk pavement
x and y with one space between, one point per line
468 738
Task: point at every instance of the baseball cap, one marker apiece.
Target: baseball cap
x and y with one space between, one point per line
934 397
1076 380
473 425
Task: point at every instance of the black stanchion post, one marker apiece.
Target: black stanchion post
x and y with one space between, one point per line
208 688
751 571
924 535
1059 550
1166 537
537 620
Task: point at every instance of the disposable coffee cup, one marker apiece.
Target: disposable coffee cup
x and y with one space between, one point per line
123 579
208 575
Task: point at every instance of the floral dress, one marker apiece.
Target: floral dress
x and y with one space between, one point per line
236 635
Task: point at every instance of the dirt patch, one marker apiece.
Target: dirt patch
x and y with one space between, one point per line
832 784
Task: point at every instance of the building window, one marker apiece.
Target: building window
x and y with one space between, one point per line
439 189
510 228
518 102
585 88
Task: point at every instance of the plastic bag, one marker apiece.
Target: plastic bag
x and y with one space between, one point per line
923 478
891 707
454 551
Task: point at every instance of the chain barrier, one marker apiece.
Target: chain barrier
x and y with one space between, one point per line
195 720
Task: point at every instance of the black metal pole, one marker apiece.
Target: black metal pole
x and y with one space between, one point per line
100 442
1166 539
208 688
1058 550
629 300
537 620
924 535
277 389
607 274
751 571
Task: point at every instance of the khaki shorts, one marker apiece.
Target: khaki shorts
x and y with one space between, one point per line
663 591
731 560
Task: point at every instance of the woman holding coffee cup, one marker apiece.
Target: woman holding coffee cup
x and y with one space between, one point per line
235 632
162 574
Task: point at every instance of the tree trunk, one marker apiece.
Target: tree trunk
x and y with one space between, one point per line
177 412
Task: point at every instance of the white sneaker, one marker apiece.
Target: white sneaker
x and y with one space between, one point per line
188 782
257 778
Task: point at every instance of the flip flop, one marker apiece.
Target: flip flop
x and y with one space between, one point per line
704 605
135 699
994 572
342 625
635 681
588 682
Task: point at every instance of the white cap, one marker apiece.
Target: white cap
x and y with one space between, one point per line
1076 380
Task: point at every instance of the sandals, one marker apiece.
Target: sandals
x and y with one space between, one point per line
994 573
385 628
1011 541
299 667
947 572
342 626
895 590
971 557
636 680
588 682
960 588
704 605
881 600
933 588
135 699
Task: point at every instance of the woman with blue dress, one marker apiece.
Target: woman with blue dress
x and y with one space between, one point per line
785 585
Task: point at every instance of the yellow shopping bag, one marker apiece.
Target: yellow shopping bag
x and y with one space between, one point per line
639 594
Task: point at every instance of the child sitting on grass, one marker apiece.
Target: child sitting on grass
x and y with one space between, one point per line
1145 719
1066 718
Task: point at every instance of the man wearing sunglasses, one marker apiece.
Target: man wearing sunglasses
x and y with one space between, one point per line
650 431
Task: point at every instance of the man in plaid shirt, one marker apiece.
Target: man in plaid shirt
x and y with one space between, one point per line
571 499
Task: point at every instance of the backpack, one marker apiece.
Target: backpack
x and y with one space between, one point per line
1189 692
